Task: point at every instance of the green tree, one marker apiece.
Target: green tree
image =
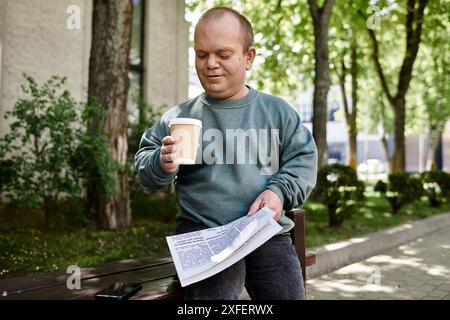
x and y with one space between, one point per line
375 114
346 52
413 15
291 38
432 86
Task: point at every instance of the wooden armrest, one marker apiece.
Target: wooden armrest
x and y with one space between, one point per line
298 236
310 259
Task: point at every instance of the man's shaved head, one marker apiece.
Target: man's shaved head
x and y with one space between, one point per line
245 26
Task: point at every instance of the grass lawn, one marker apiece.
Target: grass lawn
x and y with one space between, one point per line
31 249
26 247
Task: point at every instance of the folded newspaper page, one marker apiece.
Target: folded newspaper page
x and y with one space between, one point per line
201 254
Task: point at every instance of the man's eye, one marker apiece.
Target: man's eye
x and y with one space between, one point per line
201 56
223 56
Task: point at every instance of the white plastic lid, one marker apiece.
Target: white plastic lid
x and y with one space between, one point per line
185 121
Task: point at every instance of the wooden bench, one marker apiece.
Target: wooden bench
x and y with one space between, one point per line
298 235
158 276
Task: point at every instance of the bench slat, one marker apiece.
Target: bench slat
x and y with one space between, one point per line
164 289
56 278
90 286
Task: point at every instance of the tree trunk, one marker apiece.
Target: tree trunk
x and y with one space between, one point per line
383 139
350 115
334 219
108 87
436 128
321 17
398 159
350 119
434 137
385 145
353 152
353 135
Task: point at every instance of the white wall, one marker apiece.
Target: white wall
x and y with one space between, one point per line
166 53
35 40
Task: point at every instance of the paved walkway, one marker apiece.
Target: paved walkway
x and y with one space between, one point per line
416 270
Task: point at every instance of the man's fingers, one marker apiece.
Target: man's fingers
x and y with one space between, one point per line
255 207
270 200
277 216
168 149
169 157
168 140
265 204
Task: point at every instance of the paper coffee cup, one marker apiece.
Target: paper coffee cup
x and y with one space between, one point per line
186 132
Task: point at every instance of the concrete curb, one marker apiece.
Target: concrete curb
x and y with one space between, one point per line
337 255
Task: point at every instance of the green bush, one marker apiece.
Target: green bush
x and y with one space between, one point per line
436 186
71 214
381 187
92 155
340 190
6 173
160 206
148 116
39 145
403 189
47 150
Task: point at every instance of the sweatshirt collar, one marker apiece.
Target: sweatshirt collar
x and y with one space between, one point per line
230 103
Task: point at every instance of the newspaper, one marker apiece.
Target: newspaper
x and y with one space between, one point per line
201 254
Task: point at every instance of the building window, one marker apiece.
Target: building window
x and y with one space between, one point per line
306 112
333 108
136 72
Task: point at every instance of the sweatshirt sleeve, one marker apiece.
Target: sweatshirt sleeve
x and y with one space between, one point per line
147 160
297 174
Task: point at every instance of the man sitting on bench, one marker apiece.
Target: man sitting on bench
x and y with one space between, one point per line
255 152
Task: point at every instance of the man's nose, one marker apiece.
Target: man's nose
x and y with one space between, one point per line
212 62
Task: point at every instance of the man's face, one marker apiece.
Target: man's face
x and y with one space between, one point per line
220 61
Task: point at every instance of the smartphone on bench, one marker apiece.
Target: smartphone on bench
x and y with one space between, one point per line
118 291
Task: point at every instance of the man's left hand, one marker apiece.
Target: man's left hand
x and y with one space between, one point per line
268 199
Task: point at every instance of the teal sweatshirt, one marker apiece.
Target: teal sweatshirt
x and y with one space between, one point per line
247 146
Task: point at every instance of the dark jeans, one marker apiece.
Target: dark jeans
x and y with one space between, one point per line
271 272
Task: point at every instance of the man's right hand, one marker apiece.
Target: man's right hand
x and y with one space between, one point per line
167 155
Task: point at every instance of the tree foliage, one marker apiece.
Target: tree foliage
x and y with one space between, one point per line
284 38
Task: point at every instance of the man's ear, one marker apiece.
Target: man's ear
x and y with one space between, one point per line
249 58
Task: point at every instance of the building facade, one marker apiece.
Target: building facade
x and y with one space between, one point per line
43 38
